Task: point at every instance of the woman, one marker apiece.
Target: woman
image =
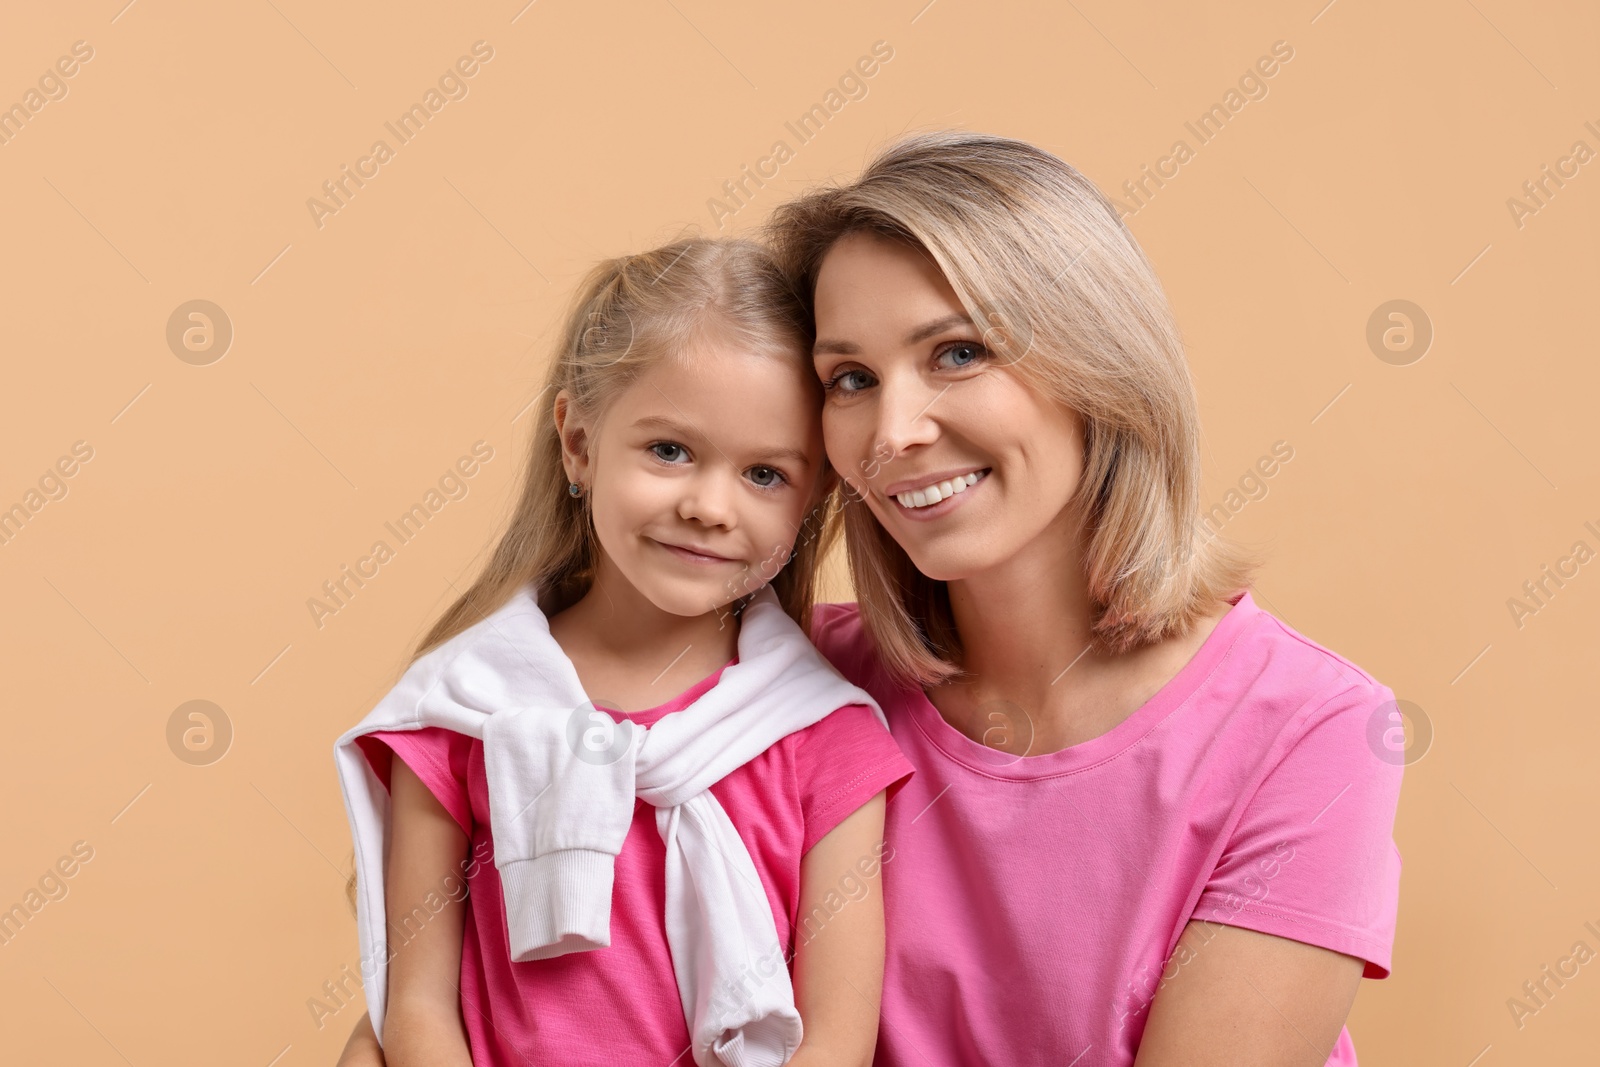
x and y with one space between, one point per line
1148 825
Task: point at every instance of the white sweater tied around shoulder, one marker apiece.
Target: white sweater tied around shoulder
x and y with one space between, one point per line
562 782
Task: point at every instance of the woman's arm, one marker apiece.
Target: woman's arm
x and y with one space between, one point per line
838 960
1240 998
422 1026
362 1050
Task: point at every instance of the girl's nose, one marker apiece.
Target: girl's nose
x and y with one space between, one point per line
709 498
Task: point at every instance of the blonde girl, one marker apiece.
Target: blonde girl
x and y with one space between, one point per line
677 500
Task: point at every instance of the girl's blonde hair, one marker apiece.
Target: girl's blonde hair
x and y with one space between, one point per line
1066 299
631 313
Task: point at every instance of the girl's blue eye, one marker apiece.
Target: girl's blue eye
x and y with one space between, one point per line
658 446
776 474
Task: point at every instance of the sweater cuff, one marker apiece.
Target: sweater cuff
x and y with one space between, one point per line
558 903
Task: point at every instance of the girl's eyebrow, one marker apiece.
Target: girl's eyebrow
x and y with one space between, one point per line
673 426
826 346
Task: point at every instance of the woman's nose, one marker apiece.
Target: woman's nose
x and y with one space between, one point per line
906 418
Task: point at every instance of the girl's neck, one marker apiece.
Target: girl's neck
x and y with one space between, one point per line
631 655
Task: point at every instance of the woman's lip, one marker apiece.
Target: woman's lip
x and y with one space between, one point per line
942 508
897 488
691 556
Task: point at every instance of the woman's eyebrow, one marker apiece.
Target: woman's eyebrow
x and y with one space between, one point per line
825 346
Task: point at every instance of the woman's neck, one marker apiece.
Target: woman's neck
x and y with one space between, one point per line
1037 680
1025 621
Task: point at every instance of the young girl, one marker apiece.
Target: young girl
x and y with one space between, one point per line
630 794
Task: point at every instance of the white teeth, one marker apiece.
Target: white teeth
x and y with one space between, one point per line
932 494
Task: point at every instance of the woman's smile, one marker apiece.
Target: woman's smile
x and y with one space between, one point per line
935 498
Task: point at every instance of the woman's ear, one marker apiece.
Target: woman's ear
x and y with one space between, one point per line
573 433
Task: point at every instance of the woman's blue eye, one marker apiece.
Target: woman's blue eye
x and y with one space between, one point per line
831 383
656 448
965 346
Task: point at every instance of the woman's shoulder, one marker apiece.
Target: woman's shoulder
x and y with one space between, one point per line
831 615
1295 693
838 633
1259 647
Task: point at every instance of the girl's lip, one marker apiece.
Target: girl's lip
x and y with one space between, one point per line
691 556
943 507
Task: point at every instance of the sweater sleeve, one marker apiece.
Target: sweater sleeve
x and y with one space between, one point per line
437 756
841 762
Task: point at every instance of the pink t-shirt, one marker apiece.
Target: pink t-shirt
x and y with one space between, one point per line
1033 901
620 1004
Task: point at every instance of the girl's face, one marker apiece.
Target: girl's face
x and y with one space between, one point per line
914 401
701 476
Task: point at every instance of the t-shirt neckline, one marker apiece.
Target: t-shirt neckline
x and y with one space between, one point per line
998 764
650 716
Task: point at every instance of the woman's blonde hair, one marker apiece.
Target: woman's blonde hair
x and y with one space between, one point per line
1066 299
631 313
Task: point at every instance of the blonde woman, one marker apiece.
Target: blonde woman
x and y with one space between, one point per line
1148 824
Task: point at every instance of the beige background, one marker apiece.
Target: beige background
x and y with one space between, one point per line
370 353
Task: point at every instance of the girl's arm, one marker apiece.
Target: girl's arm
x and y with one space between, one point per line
423 1027
838 960
362 1050
1241 998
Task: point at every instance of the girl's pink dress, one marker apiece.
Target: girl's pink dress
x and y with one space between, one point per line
620 1004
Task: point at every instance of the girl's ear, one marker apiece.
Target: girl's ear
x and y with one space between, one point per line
574 435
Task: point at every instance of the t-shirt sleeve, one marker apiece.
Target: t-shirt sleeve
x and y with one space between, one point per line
436 755
841 762
1312 856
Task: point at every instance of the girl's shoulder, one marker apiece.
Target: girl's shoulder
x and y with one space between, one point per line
839 763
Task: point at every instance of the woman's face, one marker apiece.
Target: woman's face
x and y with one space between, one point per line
915 401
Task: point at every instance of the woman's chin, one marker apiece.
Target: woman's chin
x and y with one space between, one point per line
952 563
